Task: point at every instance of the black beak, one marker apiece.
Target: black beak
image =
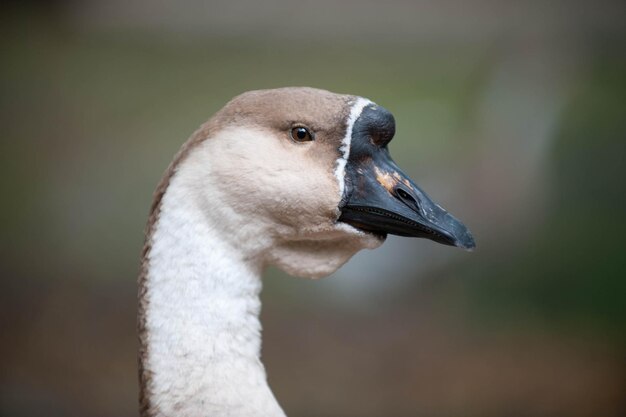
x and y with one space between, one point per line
381 199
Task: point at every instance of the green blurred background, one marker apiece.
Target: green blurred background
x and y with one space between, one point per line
510 114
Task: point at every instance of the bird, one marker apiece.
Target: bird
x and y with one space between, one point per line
295 177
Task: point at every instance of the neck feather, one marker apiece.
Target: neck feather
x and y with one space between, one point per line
200 333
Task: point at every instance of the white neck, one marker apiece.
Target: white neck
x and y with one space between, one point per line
203 335
224 215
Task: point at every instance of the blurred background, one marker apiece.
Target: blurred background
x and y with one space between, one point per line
510 114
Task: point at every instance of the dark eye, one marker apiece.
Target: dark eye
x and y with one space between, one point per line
301 134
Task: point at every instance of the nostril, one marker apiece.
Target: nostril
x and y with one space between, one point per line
409 200
404 195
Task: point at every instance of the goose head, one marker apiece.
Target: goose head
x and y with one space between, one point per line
302 178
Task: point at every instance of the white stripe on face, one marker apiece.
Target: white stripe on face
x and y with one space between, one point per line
355 112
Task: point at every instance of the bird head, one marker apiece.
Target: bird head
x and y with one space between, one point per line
303 179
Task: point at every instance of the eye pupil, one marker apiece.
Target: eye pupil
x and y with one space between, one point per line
301 134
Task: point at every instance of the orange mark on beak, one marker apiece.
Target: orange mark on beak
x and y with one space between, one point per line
387 180
403 180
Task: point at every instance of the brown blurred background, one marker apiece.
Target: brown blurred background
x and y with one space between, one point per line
511 114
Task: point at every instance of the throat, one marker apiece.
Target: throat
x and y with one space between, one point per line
200 335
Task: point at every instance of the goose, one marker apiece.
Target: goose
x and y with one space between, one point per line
296 177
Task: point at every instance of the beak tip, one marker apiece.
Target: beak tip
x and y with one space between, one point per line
463 238
470 248
466 242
